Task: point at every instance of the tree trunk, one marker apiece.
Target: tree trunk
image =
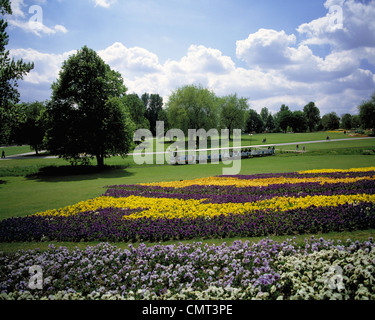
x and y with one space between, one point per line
100 160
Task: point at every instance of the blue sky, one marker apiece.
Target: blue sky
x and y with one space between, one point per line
272 52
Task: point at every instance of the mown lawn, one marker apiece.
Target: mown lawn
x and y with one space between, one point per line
22 195
23 190
360 235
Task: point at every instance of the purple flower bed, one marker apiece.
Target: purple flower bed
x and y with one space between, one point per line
224 194
108 225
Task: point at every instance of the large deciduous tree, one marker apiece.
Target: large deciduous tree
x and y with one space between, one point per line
367 114
346 121
232 112
10 72
284 118
254 122
331 121
298 121
312 114
87 115
154 109
137 110
192 107
31 128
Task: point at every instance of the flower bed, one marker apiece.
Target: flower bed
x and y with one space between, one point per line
215 207
244 270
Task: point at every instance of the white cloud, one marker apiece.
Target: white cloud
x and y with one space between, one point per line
200 59
357 27
104 3
17 6
335 83
32 21
279 70
46 65
37 28
265 48
131 62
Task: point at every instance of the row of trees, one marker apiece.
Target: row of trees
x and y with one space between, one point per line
48 125
102 128
307 120
195 107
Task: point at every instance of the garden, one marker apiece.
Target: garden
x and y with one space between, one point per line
217 207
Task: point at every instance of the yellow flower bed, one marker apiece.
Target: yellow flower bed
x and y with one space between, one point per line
167 208
230 181
338 170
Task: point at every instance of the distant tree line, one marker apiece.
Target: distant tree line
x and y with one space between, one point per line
91 115
195 107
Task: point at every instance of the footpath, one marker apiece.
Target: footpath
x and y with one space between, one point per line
32 155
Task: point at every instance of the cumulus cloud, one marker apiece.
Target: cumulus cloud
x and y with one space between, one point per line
348 24
130 61
278 68
200 59
275 50
265 48
336 76
104 3
46 65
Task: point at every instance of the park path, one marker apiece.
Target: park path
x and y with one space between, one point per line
262 145
32 155
28 155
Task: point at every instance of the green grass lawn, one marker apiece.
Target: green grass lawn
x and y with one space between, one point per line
23 191
10 151
360 235
20 195
274 138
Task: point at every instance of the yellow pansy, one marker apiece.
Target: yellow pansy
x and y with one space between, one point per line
176 208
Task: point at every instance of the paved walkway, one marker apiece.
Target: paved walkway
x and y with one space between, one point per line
32 155
29 155
264 145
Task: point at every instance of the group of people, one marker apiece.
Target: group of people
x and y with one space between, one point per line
303 148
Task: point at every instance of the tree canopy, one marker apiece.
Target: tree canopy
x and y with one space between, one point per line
32 125
10 72
367 113
331 121
312 114
153 109
232 112
254 122
192 107
284 118
137 111
87 116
